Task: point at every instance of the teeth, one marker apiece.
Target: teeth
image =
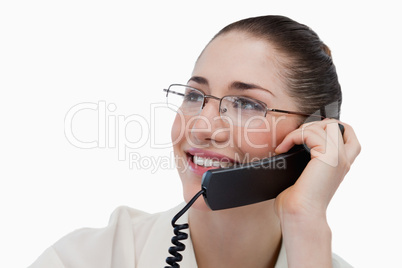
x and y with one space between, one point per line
226 164
208 162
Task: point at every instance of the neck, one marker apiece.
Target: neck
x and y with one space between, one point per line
247 236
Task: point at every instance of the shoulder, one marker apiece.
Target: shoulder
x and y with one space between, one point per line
116 245
338 262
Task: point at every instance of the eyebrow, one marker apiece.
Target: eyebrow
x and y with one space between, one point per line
235 85
199 80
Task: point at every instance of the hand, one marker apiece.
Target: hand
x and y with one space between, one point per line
331 158
302 207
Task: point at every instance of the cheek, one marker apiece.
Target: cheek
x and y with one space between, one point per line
178 139
261 142
177 131
257 143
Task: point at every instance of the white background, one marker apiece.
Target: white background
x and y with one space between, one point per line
57 54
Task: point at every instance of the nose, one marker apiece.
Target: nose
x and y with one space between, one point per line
208 127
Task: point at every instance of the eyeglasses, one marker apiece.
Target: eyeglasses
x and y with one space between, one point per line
237 110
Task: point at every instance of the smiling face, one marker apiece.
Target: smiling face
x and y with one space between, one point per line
232 64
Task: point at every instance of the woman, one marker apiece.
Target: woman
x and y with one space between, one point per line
248 69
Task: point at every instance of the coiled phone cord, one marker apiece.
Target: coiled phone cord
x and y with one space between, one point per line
177 257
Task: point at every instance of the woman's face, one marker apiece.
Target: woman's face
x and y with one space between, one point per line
232 64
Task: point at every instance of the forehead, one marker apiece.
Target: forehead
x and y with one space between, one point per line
237 56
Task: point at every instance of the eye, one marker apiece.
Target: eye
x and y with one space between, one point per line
247 104
193 96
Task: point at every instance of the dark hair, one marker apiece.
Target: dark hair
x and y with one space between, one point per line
309 72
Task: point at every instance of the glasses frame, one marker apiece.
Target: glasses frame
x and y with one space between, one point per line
267 109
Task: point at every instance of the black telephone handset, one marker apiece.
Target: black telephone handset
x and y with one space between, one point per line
243 185
255 181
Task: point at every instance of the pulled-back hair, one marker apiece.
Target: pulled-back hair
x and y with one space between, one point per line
308 70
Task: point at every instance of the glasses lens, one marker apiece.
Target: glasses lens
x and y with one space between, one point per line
242 111
186 99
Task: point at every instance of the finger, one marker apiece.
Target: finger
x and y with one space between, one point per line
310 134
352 144
331 130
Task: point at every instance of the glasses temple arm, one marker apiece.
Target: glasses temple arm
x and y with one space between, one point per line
303 114
171 91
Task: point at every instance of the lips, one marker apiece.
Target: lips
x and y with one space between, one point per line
200 161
